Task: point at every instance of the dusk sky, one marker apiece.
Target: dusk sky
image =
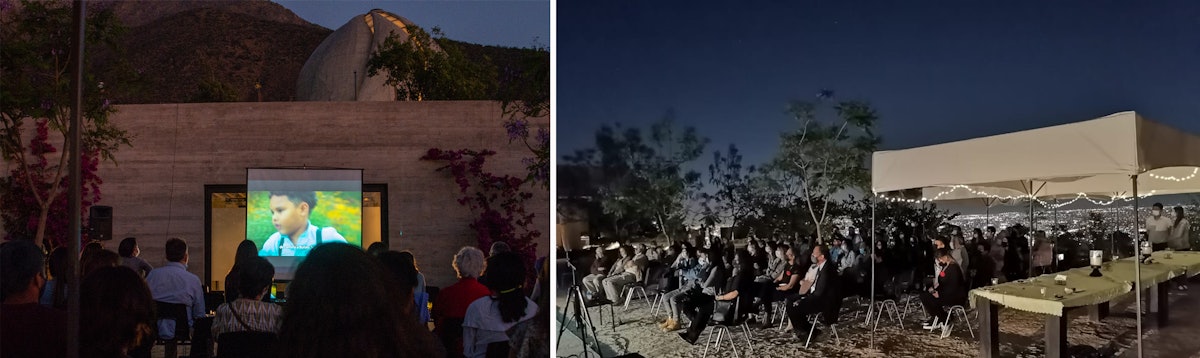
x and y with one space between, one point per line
938 72
502 23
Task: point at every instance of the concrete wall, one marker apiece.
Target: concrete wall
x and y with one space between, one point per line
156 188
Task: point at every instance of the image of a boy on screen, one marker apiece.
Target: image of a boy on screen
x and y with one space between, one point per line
295 235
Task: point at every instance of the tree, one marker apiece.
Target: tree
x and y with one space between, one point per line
498 201
822 158
889 214
420 70
35 58
734 199
644 178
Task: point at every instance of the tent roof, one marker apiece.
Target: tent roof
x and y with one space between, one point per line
1095 157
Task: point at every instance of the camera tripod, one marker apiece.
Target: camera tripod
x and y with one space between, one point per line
577 308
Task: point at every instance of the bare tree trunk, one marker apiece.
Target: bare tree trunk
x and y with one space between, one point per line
662 226
41 228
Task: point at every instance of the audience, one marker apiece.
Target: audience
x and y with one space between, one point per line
342 303
691 271
116 312
248 313
452 302
27 329
246 250
129 252
702 309
531 338
817 296
949 289
404 273
376 248
55 292
499 247
711 275
172 283
488 318
98 259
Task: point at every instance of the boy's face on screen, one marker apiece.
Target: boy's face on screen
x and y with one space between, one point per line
289 218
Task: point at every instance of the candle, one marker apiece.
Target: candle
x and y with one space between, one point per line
1097 257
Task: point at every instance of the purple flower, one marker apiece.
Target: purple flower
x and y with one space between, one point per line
5 5
46 104
543 136
517 129
106 103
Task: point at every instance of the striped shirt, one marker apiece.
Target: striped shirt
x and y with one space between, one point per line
259 317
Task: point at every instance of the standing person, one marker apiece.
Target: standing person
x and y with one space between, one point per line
342 303
129 252
172 283
1181 231
451 305
27 329
1043 252
1158 228
990 236
951 290
489 317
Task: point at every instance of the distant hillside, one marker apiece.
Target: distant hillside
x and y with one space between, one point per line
180 52
183 51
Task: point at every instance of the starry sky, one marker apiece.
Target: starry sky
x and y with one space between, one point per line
500 23
936 71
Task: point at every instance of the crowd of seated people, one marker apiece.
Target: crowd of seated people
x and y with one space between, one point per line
799 278
342 301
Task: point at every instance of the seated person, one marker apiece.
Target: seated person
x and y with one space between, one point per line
600 270
27 329
711 277
172 283
743 281
248 313
818 296
634 268
949 289
296 235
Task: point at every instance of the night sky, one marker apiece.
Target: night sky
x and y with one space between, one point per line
939 72
502 23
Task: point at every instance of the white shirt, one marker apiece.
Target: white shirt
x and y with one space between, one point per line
483 325
1158 229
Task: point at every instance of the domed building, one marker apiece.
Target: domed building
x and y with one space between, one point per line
337 69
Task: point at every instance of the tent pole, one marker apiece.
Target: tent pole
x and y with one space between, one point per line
1032 227
1137 267
873 253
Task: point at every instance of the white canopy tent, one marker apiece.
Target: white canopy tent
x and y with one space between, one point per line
1117 156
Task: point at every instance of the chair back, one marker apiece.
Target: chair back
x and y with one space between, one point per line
655 275
175 312
726 311
213 299
247 344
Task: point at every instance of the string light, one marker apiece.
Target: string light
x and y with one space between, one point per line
1174 179
1012 198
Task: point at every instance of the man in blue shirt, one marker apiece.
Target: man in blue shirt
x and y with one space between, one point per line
295 235
172 283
